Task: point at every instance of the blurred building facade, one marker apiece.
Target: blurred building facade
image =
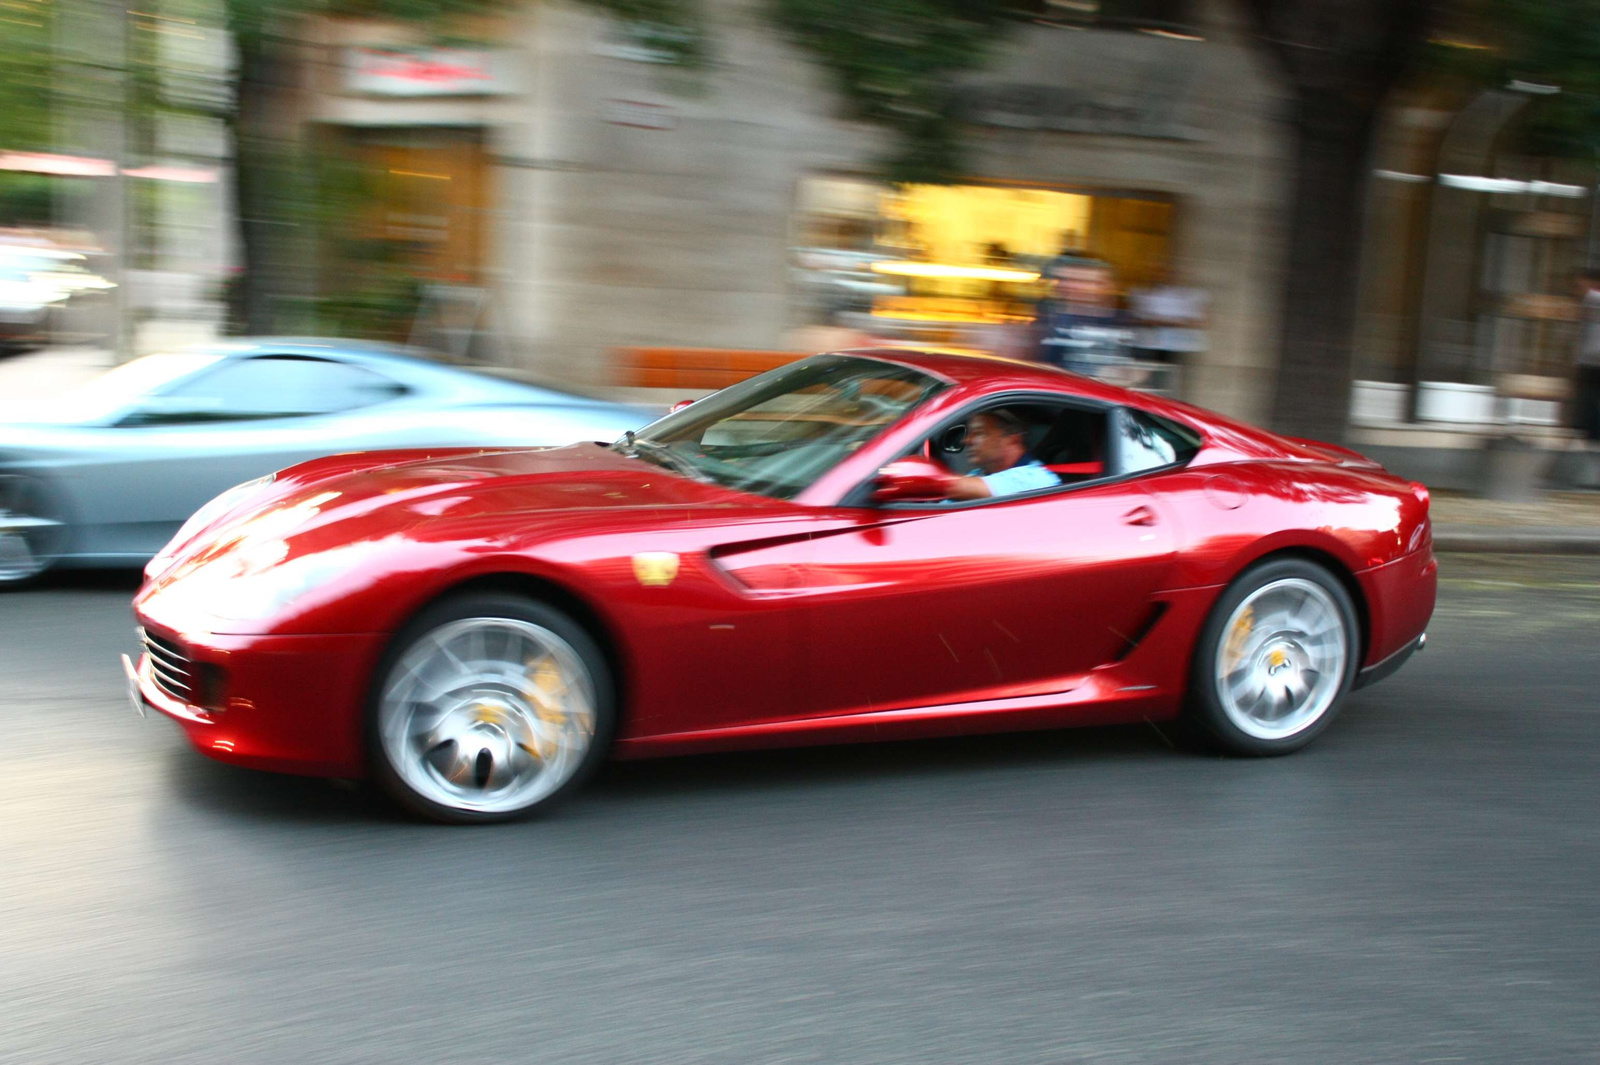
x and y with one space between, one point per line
1470 309
567 195
599 199
135 164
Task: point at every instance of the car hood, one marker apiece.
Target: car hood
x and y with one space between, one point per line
469 482
374 495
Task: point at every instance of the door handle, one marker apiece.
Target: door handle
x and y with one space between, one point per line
1140 515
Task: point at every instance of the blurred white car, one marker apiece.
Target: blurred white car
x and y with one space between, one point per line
33 281
105 475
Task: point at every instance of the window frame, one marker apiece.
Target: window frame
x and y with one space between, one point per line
861 495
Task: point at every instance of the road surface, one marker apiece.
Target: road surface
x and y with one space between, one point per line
1423 884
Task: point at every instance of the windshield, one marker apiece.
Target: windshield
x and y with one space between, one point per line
777 433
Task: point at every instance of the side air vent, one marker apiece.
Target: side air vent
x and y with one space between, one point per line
1136 637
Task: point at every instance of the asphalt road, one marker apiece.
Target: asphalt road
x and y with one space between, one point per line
1423 884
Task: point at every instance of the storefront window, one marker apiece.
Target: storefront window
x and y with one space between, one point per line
1062 275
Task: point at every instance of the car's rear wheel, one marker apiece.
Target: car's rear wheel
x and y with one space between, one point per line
489 707
31 534
1275 659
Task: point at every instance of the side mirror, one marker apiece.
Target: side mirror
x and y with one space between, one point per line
911 479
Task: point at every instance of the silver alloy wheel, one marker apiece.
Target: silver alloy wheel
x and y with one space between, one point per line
1281 659
487 715
28 540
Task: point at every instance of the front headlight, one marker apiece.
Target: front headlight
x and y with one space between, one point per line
220 506
257 586
207 514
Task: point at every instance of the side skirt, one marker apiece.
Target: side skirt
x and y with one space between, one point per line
1374 673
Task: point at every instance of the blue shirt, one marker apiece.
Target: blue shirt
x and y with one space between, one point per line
1025 476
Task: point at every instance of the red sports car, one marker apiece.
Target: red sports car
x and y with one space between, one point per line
828 552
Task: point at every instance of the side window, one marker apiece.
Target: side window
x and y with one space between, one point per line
271 386
1067 440
1073 444
1148 442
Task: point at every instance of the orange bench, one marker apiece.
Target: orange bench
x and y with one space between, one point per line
694 368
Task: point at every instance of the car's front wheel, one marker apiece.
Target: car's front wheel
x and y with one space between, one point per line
488 707
1275 658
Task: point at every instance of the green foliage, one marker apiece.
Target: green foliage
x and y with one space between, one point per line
295 201
27 199
1491 43
251 20
894 61
379 304
366 289
674 28
1557 41
25 57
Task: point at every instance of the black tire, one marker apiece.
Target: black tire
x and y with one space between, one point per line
1219 721
27 555
494 607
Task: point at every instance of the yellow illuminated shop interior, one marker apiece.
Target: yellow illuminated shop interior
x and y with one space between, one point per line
877 256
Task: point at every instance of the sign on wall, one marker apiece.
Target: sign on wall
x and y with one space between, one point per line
1071 109
428 72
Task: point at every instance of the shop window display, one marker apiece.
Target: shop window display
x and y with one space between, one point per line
1060 275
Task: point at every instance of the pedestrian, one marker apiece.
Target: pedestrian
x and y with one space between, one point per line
1171 325
1586 395
1082 330
1079 326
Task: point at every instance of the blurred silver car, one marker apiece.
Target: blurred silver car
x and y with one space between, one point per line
105 475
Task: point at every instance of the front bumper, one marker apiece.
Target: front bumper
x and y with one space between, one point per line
290 704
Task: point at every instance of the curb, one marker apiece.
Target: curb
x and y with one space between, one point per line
1512 542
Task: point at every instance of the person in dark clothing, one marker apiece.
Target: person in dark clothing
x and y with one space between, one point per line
1586 398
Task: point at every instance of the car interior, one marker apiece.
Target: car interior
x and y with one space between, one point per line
1069 440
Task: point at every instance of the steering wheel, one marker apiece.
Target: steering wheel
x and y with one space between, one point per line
946 447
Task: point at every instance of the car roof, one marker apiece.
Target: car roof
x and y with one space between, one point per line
1224 437
994 373
243 347
404 362
965 368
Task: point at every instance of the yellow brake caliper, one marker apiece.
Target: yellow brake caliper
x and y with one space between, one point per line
1237 635
543 685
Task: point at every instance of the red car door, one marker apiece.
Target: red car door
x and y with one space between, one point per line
1010 598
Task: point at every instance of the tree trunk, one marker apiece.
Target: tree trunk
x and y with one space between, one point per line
1331 144
1340 58
251 298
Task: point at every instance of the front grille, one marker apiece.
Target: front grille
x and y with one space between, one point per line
170 668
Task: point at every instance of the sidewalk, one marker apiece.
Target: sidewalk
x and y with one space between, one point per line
1561 523
42 374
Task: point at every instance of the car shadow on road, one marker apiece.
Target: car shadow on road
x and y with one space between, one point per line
215 788
895 760
203 784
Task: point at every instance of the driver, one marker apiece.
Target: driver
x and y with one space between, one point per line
997 442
